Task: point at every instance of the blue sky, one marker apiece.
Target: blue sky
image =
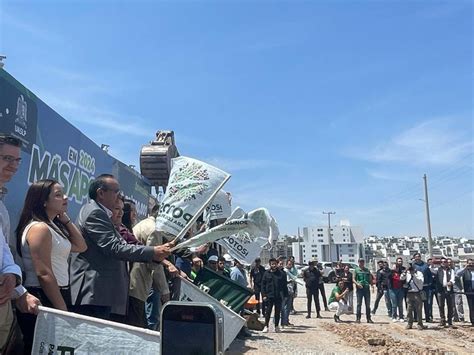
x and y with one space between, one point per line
311 106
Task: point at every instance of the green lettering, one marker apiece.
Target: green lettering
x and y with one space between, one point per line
38 167
64 170
54 169
75 187
84 185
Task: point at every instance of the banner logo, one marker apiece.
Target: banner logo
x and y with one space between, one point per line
188 192
21 116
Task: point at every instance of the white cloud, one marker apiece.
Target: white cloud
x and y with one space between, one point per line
434 142
96 116
34 31
390 176
243 164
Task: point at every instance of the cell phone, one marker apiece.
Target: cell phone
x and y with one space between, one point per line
191 328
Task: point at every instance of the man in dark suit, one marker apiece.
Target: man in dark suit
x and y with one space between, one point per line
444 287
99 277
467 276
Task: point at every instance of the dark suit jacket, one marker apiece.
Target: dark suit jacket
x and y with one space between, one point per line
99 276
439 279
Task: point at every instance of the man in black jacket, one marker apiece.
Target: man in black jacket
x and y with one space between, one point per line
444 288
256 275
467 277
274 289
311 278
383 274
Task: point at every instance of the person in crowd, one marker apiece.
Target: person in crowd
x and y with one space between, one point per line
396 291
363 279
382 279
196 267
274 289
322 291
221 269
311 277
119 219
349 285
45 237
294 272
466 275
286 303
444 288
458 307
229 261
414 280
130 216
338 300
212 262
339 269
98 276
256 274
148 283
424 268
184 261
238 274
10 273
433 269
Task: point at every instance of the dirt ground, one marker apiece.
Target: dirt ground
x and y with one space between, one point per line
324 336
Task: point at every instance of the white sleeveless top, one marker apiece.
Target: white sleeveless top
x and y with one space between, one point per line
61 248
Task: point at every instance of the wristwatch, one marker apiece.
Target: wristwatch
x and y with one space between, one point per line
18 280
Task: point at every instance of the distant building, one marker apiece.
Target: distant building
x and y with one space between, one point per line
346 243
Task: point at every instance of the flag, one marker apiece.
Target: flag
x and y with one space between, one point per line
59 332
192 186
220 207
246 247
252 225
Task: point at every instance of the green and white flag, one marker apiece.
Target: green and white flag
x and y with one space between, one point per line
244 234
246 247
220 207
192 186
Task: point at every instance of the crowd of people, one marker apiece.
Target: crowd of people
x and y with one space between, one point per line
109 265
412 288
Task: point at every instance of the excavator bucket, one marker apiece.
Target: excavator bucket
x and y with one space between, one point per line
155 158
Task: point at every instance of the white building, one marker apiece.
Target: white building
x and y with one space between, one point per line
347 243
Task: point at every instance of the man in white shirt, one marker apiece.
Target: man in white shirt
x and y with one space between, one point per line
414 281
10 273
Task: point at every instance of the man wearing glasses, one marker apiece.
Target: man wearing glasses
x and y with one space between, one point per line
10 273
99 276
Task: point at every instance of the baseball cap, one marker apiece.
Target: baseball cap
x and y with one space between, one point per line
213 258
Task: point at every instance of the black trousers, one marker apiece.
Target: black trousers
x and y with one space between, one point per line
136 313
312 293
270 303
258 293
323 294
470 302
27 321
446 298
90 310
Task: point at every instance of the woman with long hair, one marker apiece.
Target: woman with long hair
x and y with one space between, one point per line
45 237
124 218
129 218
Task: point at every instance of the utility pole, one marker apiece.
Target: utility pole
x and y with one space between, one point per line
300 257
428 223
329 232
